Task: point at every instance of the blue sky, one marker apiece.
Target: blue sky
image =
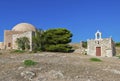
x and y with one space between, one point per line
82 17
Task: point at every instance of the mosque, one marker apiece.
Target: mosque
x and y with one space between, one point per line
20 30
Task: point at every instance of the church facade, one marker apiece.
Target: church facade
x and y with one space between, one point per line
99 46
20 30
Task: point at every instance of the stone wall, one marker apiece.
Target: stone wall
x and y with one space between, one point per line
1 45
8 38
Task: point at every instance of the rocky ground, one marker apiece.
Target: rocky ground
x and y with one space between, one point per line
58 67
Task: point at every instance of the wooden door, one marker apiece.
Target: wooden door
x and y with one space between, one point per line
98 51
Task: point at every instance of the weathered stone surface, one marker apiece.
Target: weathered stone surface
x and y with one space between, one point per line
56 74
28 75
20 68
112 70
80 51
58 67
107 47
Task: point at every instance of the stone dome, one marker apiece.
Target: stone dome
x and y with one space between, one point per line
23 27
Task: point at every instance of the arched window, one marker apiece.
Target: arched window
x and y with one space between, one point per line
9 44
98 35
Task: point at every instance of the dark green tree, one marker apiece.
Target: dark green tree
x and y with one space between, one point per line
57 40
23 43
38 40
117 44
84 44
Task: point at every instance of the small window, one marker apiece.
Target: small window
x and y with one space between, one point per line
98 42
9 44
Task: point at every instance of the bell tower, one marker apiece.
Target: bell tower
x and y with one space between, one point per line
98 35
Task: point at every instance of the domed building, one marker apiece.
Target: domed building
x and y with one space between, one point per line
23 27
20 30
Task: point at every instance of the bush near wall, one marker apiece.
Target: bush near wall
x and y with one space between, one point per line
59 48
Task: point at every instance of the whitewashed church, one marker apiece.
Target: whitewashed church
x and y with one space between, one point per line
99 46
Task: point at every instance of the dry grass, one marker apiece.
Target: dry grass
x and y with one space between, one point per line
71 66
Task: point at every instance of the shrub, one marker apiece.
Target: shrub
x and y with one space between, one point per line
23 43
59 48
118 57
84 44
29 63
0 53
18 51
117 44
95 59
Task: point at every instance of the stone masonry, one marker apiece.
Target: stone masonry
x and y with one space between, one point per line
99 46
